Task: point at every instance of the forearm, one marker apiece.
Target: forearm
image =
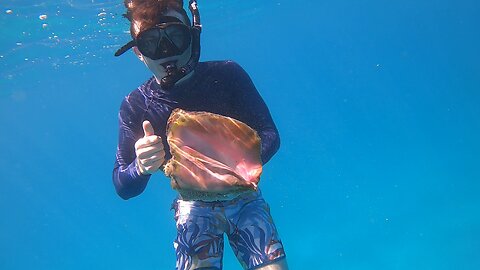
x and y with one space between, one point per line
128 181
252 110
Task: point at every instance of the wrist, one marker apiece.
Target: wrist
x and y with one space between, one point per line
140 169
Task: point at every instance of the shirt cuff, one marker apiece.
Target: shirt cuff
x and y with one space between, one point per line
135 171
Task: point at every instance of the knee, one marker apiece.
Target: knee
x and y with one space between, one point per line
278 265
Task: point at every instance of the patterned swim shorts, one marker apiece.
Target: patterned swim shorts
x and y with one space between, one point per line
246 221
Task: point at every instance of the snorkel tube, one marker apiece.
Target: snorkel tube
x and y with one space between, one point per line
174 74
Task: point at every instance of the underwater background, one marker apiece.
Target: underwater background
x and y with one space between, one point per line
377 104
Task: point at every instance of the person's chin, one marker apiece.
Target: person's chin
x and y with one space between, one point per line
173 59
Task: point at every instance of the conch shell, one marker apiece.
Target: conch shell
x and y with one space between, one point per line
212 153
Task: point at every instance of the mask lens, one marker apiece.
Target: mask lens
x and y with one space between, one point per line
147 42
179 35
162 42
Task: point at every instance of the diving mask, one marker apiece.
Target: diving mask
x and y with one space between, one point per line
169 38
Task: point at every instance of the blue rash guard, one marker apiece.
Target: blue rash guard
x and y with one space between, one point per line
220 87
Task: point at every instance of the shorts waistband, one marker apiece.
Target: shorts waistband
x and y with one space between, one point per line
192 195
246 195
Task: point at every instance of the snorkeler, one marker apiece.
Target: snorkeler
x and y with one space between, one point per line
169 45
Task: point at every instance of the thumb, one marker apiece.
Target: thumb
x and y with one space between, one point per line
147 128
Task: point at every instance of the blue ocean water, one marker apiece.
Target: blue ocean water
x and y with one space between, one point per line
377 104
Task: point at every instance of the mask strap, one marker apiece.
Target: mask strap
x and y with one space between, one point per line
125 48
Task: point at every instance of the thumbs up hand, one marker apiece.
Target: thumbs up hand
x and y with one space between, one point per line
149 151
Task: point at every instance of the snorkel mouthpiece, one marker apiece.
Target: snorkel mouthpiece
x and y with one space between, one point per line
170 68
173 76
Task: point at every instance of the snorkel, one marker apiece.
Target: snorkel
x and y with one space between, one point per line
174 73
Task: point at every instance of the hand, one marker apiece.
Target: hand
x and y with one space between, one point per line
149 151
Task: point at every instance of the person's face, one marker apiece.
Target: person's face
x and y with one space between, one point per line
157 66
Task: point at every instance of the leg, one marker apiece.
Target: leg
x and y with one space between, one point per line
199 241
254 237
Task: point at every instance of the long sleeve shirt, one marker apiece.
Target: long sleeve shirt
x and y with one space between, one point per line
220 87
